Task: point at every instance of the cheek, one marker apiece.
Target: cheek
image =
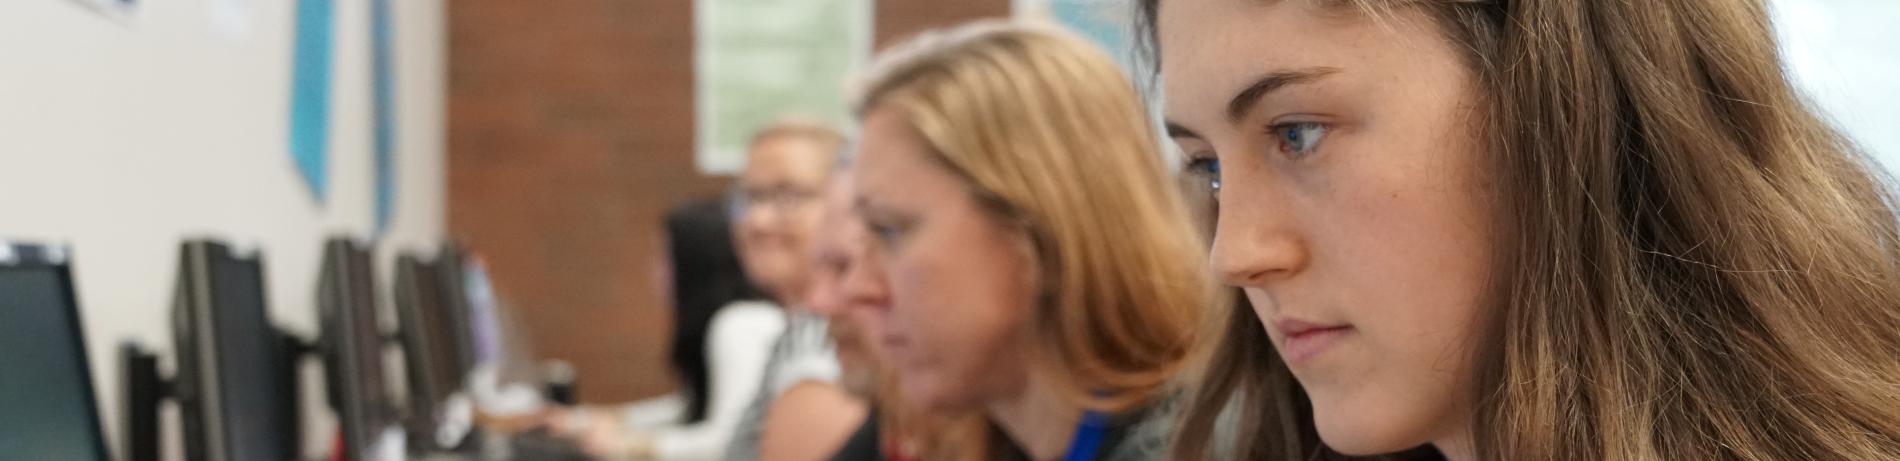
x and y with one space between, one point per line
1409 256
765 265
1262 306
872 325
963 314
797 236
1428 276
823 297
751 225
953 306
1414 308
1423 246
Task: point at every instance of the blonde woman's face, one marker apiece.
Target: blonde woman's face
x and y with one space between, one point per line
773 230
947 287
1353 210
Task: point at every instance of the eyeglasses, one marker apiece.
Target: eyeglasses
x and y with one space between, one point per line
781 197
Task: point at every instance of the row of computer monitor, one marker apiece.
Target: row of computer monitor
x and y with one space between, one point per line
235 374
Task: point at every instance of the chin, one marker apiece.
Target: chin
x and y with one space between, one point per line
931 395
761 275
1355 432
861 383
856 373
771 279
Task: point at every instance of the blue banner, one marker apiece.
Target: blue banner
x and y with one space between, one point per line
383 65
310 95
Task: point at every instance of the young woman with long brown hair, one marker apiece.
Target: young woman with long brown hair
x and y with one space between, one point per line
1529 230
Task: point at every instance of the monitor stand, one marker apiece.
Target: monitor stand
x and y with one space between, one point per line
145 389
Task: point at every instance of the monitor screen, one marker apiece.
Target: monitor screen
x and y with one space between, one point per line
256 419
429 341
46 395
353 359
454 295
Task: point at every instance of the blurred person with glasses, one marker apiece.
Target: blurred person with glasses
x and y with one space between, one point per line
754 350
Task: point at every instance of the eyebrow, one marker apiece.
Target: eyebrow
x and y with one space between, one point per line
867 207
1246 98
1175 130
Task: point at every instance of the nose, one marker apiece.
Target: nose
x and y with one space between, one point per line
748 226
863 286
1256 241
822 298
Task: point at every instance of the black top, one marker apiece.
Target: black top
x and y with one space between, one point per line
863 444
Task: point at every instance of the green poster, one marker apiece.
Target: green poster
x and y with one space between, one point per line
761 60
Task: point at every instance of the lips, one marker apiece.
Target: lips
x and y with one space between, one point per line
893 345
1303 340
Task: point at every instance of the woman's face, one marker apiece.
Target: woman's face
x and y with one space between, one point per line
948 286
1354 210
773 231
835 255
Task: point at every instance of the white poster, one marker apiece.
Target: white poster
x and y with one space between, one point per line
760 60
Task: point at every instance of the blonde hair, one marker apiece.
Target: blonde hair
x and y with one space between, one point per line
828 138
1695 266
1050 134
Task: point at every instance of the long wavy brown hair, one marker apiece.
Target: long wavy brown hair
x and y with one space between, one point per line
1696 266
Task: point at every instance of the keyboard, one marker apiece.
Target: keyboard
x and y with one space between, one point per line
540 446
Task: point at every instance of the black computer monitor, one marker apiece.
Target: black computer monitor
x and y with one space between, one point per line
235 380
451 276
47 405
352 346
431 348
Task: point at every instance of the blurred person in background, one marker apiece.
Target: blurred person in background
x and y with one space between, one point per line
1032 273
812 418
859 417
755 350
703 277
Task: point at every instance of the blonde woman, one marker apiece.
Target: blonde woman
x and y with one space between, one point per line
1030 264
1530 230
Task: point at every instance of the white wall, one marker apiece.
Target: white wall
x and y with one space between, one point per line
1846 55
121 136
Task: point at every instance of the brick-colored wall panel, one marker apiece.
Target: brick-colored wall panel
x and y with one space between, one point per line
900 19
570 134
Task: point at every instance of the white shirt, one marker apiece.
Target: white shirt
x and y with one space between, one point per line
803 353
738 347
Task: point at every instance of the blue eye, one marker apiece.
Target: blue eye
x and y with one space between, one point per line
1207 168
1299 138
885 233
